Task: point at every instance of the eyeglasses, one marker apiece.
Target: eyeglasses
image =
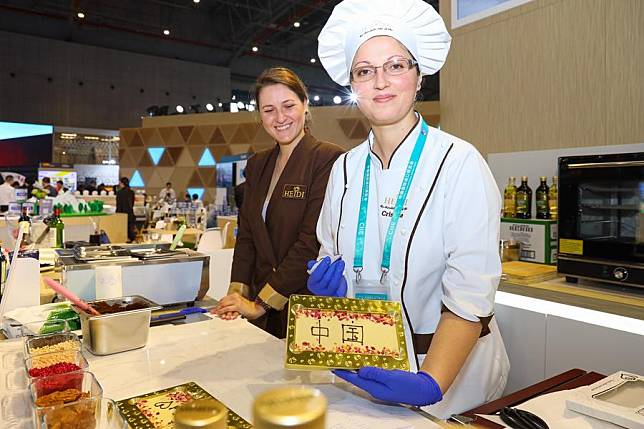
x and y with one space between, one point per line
393 67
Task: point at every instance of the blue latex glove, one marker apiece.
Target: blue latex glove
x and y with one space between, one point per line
398 386
328 278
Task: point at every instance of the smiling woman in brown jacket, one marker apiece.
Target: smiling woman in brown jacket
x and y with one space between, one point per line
282 201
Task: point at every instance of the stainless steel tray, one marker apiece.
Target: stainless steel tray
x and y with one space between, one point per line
93 253
117 332
157 254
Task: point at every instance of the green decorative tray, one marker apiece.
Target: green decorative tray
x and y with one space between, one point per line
155 410
328 332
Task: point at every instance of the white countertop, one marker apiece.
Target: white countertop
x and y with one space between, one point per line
234 361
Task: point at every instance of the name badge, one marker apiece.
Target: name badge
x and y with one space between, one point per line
294 192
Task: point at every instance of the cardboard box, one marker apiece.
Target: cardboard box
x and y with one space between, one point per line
538 238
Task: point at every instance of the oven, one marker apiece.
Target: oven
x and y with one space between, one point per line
601 218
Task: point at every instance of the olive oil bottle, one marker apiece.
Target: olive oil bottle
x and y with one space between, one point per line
524 200
510 199
553 195
542 200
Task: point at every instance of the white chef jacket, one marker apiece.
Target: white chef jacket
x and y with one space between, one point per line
444 251
7 194
167 195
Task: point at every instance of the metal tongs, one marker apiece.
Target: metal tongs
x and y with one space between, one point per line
521 419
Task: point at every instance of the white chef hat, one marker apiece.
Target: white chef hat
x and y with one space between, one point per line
413 23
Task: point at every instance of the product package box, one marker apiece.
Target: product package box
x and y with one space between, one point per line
538 238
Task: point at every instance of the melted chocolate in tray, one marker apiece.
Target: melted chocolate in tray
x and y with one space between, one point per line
117 307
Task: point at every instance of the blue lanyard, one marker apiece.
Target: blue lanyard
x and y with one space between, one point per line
400 201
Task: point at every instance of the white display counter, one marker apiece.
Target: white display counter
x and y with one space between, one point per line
544 338
234 361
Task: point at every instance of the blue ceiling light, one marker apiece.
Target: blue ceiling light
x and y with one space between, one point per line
156 153
207 160
198 191
136 181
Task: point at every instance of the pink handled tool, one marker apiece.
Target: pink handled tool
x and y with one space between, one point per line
71 296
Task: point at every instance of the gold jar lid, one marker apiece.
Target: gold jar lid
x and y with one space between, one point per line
295 407
203 414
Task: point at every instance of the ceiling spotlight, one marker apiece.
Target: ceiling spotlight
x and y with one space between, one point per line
316 98
313 60
240 105
152 111
210 107
179 108
234 97
196 1
253 102
220 104
296 24
166 32
254 49
81 15
337 99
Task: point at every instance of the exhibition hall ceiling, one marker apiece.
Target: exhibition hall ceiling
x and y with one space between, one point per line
245 36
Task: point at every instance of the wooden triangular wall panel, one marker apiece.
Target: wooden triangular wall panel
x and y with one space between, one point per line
195 181
185 132
126 134
166 160
219 151
185 160
205 132
195 153
195 139
175 153
137 154
208 176
236 149
180 177
151 137
146 161
136 140
239 137
359 132
171 136
165 173
228 130
217 137
347 126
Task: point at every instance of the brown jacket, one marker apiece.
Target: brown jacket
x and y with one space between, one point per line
270 257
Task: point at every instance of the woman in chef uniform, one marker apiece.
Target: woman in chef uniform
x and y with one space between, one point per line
413 211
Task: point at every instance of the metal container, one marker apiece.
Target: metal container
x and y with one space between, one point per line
509 250
295 407
117 332
203 414
153 271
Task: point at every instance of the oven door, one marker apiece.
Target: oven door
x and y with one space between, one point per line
601 207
